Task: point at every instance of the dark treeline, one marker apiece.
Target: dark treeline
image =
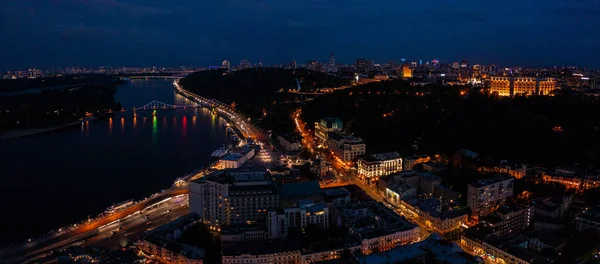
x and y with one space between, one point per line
55 107
9 85
257 92
393 115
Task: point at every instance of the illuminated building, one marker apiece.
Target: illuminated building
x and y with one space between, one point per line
511 219
223 197
225 64
379 164
511 86
437 215
546 86
524 86
245 64
332 59
237 158
484 195
326 126
346 147
501 85
410 162
305 213
161 243
406 72
413 64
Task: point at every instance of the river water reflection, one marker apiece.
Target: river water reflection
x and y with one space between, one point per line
61 177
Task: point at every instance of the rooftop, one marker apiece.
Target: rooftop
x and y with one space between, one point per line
382 156
444 252
490 181
300 190
336 192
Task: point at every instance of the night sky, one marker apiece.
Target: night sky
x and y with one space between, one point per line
58 33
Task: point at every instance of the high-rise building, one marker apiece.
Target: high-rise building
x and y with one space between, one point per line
406 72
225 64
413 64
483 196
332 59
245 64
234 196
326 126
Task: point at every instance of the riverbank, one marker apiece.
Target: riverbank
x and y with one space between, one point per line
34 131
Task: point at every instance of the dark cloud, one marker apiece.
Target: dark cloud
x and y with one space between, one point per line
43 33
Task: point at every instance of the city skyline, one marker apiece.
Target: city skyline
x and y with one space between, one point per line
122 32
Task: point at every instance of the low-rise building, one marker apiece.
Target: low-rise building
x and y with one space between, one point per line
380 164
431 248
237 158
161 243
289 142
307 212
443 218
378 227
410 162
484 241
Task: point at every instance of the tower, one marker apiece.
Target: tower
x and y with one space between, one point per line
225 64
332 59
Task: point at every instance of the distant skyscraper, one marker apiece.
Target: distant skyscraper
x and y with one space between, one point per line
413 64
455 65
293 64
225 64
245 64
332 59
420 62
406 72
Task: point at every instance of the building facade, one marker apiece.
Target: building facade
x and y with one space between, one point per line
346 147
527 86
410 162
326 126
238 196
379 164
484 196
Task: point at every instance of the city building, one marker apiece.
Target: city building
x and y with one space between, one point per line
590 219
379 164
161 243
225 64
237 158
233 196
410 162
326 126
441 217
483 240
378 227
431 248
406 72
485 195
345 147
290 143
509 219
511 86
306 212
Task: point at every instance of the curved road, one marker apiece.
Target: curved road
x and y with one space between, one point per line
22 252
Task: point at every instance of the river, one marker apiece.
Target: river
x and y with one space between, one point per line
53 179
